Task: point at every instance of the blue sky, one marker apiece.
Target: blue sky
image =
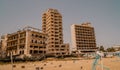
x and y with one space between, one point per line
104 16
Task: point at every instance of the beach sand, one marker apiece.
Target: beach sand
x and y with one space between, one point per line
82 64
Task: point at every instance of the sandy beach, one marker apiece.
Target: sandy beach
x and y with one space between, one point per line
82 64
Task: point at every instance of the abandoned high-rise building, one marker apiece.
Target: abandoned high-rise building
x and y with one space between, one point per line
83 37
52 26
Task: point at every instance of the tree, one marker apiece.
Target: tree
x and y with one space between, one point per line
110 49
101 49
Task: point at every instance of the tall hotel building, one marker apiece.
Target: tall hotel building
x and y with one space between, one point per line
83 37
52 26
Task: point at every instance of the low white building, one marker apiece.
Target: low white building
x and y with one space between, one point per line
116 47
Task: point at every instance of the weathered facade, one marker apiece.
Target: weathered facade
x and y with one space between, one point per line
83 37
29 41
52 26
3 45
